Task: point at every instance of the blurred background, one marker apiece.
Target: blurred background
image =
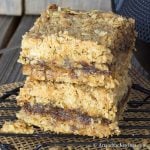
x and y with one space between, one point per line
17 17
19 7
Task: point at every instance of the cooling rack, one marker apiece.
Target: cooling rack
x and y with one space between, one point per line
135 125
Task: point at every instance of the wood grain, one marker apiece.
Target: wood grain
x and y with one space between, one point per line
7 28
11 70
11 7
39 5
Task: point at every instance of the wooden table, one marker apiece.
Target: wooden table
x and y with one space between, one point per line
11 31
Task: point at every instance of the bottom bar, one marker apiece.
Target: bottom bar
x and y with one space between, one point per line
71 121
77 125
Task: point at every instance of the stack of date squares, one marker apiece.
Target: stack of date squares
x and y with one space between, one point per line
77 65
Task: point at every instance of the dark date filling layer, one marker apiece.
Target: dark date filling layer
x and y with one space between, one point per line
68 114
62 114
86 68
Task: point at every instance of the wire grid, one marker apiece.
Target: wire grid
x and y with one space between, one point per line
135 126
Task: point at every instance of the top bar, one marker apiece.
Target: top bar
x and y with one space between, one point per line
70 39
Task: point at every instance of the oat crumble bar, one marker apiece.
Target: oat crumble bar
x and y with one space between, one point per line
77 64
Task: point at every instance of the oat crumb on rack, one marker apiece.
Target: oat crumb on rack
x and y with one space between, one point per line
16 127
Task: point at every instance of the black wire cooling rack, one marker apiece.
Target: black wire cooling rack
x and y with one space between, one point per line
135 125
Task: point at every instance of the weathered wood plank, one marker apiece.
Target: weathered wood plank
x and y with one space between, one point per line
25 24
11 70
86 4
74 4
11 7
7 28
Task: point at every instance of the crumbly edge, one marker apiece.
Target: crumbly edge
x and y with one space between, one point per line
18 126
